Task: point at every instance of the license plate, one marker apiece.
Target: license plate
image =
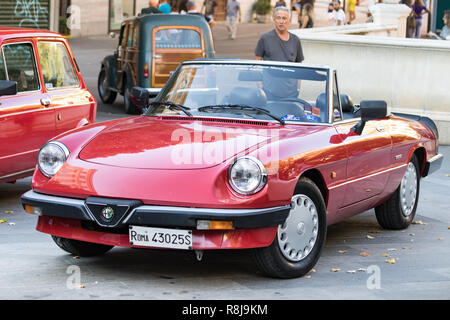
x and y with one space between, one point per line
160 237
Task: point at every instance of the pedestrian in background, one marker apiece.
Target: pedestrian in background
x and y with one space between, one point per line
280 3
297 7
182 8
192 9
164 7
419 9
351 9
445 33
208 8
307 16
331 12
339 16
233 17
152 7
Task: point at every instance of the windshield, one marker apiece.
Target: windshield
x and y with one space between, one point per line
242 90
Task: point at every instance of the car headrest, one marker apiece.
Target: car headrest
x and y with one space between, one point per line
321 103
247 95
346 103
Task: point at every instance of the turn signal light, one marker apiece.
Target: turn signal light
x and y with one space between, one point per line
214 225
32 210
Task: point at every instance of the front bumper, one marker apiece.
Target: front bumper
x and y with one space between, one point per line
138 214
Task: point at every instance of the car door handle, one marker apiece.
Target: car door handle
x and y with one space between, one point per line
46 101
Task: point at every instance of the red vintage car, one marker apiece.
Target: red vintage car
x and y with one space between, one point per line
42 94
230 155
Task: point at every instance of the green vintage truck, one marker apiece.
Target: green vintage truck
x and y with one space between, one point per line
150 47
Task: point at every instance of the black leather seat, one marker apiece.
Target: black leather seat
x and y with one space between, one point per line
254 97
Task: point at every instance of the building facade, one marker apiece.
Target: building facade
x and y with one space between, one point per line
89 17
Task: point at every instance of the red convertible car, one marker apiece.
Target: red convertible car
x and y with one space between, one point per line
42 94
233 154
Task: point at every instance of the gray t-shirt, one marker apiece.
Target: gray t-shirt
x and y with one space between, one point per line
232 8
271 47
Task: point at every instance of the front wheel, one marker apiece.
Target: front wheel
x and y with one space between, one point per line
299 241
398 211
81 248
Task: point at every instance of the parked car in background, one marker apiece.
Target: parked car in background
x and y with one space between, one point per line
150 47
42 94
234 155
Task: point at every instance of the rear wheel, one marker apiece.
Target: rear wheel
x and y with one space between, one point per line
398 211
106 95
299 241
81 248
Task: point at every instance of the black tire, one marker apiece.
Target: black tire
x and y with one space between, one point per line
394 215
130 108
81 248
106 95
272 261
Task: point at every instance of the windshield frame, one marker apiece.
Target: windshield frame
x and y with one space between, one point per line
233 61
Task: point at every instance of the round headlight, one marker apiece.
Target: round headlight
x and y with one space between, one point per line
247 175
51 158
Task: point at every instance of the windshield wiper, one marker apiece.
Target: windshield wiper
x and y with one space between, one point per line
242 107
172 105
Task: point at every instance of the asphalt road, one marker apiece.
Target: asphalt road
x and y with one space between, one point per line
354 263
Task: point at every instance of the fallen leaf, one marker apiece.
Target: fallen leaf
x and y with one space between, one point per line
342 251
364 254
418 222
406 248
412 234
3 220
82 286
11 223
312 271
384 255
440 238
370 237
391 261
335 270
351 271
362 270
307 277
9 211
392 249
447 174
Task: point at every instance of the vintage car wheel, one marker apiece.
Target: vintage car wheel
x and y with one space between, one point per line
81 248
130 108
300 240
398 211
107 95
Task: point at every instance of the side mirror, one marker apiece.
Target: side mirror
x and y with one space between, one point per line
8 88
370 110
140 97
112 35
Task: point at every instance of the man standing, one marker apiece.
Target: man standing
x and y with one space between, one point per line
192 9
153 7
339 17
279 45
233 17
209 7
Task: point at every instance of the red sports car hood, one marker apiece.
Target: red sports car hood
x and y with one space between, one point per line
170 143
